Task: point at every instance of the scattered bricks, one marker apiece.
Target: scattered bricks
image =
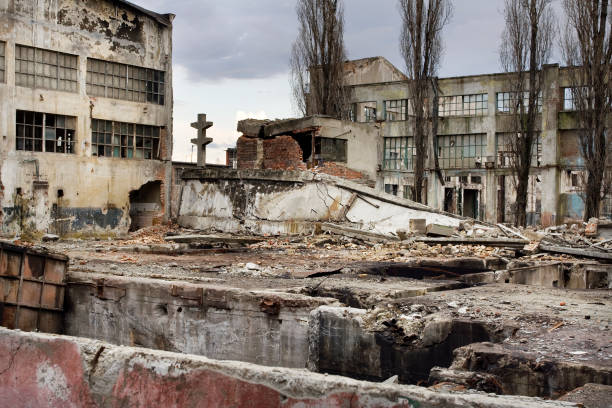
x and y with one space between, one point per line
591 228
418 225
334 169
440 230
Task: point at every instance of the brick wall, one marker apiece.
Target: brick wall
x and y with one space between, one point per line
283 152
334 169
246 152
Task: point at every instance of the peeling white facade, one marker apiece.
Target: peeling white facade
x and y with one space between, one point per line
81 191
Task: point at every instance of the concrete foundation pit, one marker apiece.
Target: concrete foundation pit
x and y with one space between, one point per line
272 324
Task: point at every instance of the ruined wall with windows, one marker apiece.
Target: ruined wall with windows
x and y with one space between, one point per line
476 127
85 116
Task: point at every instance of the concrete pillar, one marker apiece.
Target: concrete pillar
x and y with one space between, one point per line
490 182
550 174
201 141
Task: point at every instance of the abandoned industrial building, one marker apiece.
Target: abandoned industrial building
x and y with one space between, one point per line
300 273
472 144
86 125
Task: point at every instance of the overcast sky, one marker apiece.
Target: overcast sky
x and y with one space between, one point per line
231 57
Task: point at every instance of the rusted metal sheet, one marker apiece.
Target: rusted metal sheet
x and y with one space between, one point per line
32 288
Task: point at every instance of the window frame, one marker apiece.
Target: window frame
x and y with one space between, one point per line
122 140
40 124
461 105
457 144
507 98
325 152
399 147
501 156
115 80
401 104
2 62
46 69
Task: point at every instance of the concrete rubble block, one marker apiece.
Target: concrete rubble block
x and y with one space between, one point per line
469 379
418 226
549 275
438 230
590 396
522 373
60 371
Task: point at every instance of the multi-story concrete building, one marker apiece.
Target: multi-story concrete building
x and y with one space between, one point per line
85 116
472 145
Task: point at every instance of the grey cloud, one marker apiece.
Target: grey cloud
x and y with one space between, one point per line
241 39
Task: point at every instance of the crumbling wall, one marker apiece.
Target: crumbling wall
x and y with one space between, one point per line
282 152
289 202
95 190
214 321
246 148
59 371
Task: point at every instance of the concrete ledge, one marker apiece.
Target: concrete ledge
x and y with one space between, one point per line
58 371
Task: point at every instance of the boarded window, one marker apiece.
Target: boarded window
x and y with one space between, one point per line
327 149
38 68
461 151
45 132
399 153
124 140
510 102
504 148
2 61
127 82
464 105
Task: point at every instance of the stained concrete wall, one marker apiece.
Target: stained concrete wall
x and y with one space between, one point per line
559 148
280 202
267 328
95 189
341 344
59 371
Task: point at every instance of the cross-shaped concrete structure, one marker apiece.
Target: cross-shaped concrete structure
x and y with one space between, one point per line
201 141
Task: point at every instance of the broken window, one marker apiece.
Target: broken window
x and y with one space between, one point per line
391 189
125 140
399 153
2 60
461 151
568 99
38 68
505 154
45 132
464 105
396 109
363 112
510 102
127 82
328 149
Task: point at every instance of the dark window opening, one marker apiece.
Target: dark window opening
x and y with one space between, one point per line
391 189
125 140
45 132
328 149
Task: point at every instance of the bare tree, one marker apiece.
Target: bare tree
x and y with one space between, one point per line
421 47
525 48
317 59
587 50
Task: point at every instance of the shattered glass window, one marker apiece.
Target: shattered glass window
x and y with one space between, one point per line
461 151
504 150
39 68
45 132
510 102
2 61
124 140
126 82
396 109
399 153
463 105
328 149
